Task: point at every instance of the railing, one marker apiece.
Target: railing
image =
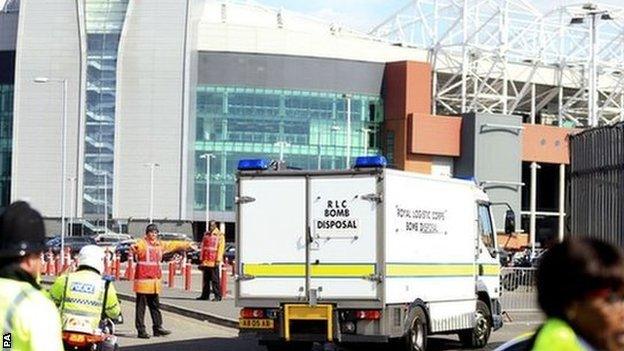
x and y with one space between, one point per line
518 289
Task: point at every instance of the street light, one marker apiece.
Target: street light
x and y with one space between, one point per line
334 128
207 157
365 132
105 202
348 161
591 11
72 214
63 82
282 145
152 167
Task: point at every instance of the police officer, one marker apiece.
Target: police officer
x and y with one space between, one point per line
84 298
28 319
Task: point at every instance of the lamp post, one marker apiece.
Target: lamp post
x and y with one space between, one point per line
72 214
365 132
348 160
152 166
207 157
63 82
334 128
591 11
105 202
282 145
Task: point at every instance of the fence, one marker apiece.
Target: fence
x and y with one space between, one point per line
518 289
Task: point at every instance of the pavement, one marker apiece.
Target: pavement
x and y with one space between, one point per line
183 302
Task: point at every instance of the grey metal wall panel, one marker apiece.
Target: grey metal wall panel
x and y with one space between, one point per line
492 144
597 183
8 30
47 45
465 164
149 114
289 72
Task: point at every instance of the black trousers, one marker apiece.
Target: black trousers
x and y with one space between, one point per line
153 302
211 282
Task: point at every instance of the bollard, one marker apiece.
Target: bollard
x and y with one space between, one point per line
187 276
172 269
117 267
43 264
130 269
107 266
223 282
57 265
49 265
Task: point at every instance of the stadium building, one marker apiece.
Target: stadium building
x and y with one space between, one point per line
153 90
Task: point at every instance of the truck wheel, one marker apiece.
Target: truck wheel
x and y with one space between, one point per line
478 336
416 338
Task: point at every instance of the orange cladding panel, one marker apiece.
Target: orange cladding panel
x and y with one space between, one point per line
434 135
418 163
545 144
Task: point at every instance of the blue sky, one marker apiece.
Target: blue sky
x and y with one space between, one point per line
364 14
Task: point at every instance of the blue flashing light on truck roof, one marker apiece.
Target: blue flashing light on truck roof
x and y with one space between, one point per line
468 178
370 162
253 165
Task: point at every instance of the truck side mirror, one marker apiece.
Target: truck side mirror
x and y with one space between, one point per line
510 222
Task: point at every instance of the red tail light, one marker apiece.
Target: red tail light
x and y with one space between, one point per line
368 314
252 313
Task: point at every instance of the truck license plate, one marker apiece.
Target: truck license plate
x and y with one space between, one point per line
256 323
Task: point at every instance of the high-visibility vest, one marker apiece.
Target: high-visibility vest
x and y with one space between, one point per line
82 304
28 318
148 271
148 266
210 246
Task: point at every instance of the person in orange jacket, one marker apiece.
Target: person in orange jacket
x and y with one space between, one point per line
212 248
147 278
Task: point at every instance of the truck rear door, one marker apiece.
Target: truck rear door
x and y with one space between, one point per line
343 237
272 237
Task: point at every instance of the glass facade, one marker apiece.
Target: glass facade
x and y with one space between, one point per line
6 139
310 128
105 20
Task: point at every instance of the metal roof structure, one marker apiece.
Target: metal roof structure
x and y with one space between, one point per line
564 67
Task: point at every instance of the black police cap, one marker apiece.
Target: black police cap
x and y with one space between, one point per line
21 231
151 228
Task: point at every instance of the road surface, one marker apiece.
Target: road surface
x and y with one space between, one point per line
190 334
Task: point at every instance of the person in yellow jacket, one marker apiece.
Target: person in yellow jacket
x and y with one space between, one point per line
85 298
211 257
28 319
580 285
147 279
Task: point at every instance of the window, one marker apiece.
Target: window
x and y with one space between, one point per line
244 122
486 230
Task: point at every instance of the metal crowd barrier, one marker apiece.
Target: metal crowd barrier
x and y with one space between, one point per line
518 289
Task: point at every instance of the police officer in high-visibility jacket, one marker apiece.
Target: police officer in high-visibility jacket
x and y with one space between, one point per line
85 298
28 319
147 279
212 248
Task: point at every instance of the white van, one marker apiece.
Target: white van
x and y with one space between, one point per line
364 255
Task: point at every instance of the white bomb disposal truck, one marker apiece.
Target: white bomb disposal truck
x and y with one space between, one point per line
364 255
